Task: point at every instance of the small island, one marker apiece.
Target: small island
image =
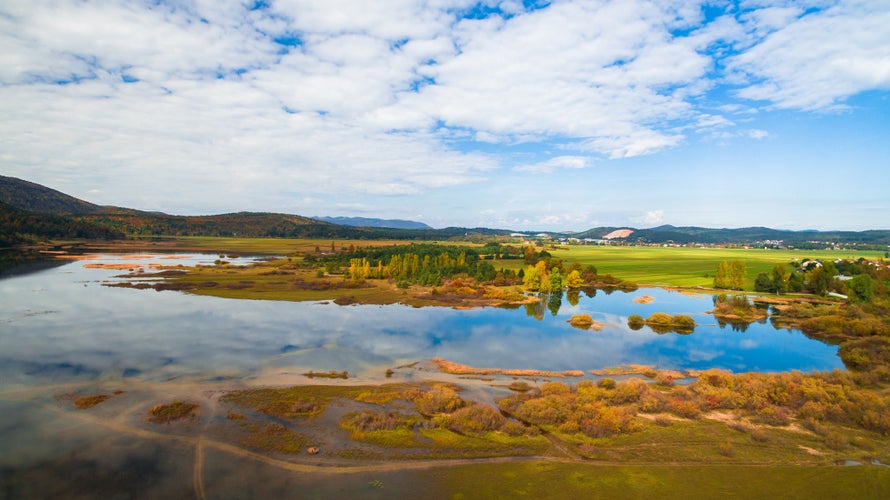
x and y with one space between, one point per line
584 322
663 323
737 309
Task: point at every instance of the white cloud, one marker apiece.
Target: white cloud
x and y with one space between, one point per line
654 217
712 121
606 78
196 104
818 60
569 162
758 134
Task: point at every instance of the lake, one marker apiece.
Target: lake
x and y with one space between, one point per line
62 331
62 324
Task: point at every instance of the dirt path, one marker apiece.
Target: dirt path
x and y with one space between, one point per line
198 474
201 442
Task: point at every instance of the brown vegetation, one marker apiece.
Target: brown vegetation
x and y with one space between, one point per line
644 370
459 369
328 374
377 420
112 266
177 410
440 399
277 438
519 386
85 402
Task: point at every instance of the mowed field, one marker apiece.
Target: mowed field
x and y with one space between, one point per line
690 267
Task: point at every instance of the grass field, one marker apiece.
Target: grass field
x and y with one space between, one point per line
535 479
689 267
664 266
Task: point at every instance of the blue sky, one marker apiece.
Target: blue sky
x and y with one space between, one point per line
560 115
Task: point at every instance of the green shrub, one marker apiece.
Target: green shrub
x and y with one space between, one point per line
606 383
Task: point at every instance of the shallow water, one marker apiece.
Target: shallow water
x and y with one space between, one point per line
62 331
61 324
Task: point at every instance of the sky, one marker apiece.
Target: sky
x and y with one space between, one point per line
526 115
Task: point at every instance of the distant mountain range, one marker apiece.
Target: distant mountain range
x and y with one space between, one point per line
371 222
30 211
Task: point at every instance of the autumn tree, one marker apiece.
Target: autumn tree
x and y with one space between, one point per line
532 280
730 275
573 280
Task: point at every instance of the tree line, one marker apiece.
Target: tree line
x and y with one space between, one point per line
864 281
18 227
422 264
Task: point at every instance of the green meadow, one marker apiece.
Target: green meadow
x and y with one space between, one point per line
690 267
536 479
661 266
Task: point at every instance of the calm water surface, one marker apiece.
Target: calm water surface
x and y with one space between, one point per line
62 331
62 324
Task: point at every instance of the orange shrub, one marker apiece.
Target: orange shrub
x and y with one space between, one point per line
683 408
475 419
440 399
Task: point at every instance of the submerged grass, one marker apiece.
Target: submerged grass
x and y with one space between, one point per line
277 438
299 401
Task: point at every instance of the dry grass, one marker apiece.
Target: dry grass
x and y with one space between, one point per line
328 374
85 402
171 412
277 438
112 266
453 368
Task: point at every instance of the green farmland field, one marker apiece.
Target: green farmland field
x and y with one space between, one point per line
689 267
663 266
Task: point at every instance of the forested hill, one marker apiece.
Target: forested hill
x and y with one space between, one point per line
30 211
32 197
40 212
19 227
